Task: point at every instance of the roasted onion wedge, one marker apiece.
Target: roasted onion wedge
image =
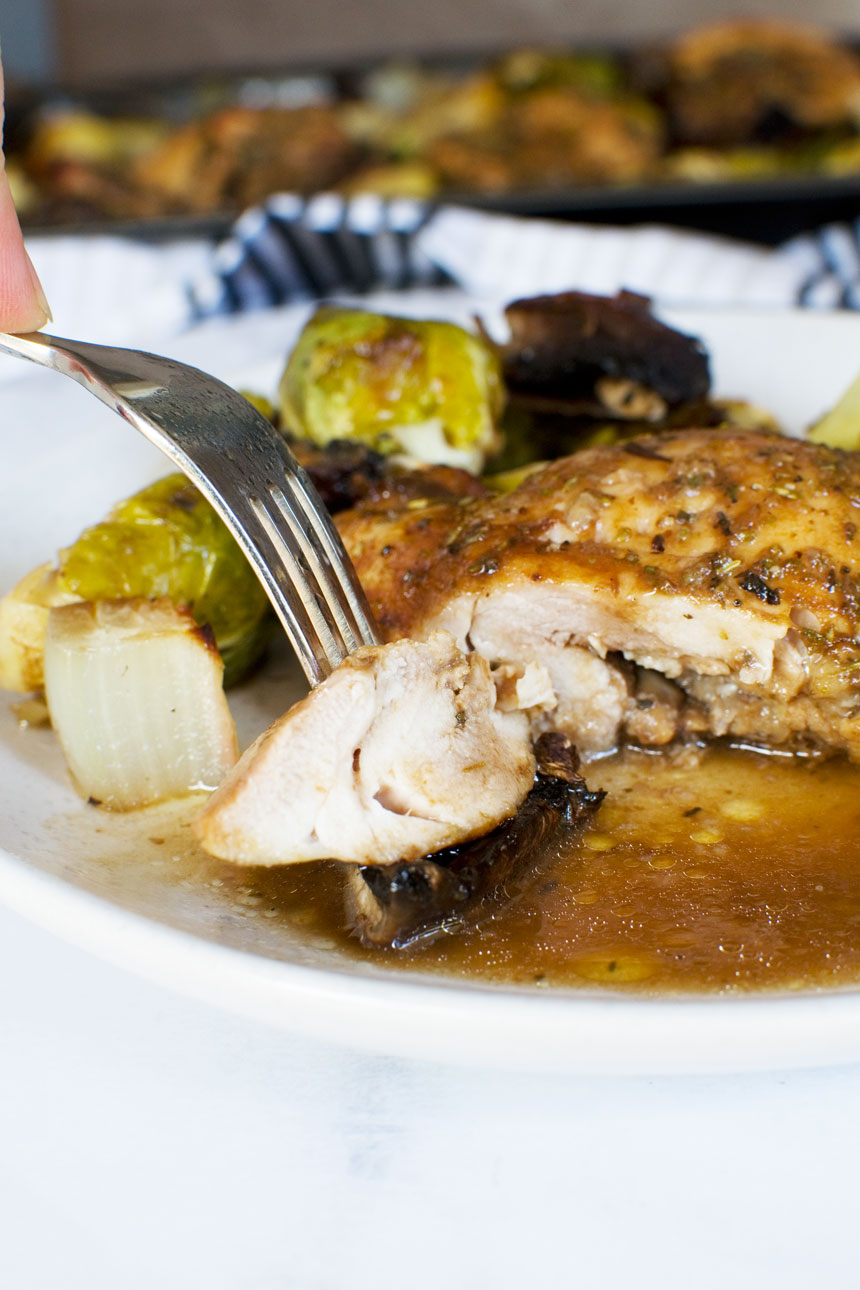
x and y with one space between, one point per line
135 693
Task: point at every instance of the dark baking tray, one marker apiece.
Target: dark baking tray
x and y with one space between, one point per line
768 210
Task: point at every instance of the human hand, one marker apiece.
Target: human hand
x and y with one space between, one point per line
23 306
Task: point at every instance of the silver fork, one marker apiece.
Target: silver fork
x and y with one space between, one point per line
243 467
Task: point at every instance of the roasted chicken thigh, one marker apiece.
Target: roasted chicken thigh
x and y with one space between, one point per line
699 581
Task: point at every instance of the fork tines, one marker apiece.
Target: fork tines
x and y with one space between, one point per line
331 615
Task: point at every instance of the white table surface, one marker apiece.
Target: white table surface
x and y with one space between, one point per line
150 1141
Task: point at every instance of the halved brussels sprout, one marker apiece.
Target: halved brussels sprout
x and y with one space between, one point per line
429 389
164 541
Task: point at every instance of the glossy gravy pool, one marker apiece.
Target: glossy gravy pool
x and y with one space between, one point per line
739 873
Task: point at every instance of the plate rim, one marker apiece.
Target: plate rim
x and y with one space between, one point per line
445 1019
557 1031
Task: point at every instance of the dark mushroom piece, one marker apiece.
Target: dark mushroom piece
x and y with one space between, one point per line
580 353
410 902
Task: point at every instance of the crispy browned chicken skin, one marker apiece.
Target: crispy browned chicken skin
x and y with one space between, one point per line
700 581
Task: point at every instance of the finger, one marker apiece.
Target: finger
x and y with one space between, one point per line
23 306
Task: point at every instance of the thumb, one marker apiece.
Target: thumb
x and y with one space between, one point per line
23 306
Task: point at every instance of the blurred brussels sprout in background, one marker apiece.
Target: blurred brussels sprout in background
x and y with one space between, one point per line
263 405
429 389
521 70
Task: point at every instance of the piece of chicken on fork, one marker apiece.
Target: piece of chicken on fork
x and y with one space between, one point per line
402 751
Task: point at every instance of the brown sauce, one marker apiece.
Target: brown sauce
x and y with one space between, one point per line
738 873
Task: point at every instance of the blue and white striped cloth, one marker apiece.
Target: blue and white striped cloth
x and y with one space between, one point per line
292 248
828 263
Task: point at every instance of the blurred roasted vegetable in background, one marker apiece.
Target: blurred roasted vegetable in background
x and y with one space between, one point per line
732 101
431 390
754 80
240 155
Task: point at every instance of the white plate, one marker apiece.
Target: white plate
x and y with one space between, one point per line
93 880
